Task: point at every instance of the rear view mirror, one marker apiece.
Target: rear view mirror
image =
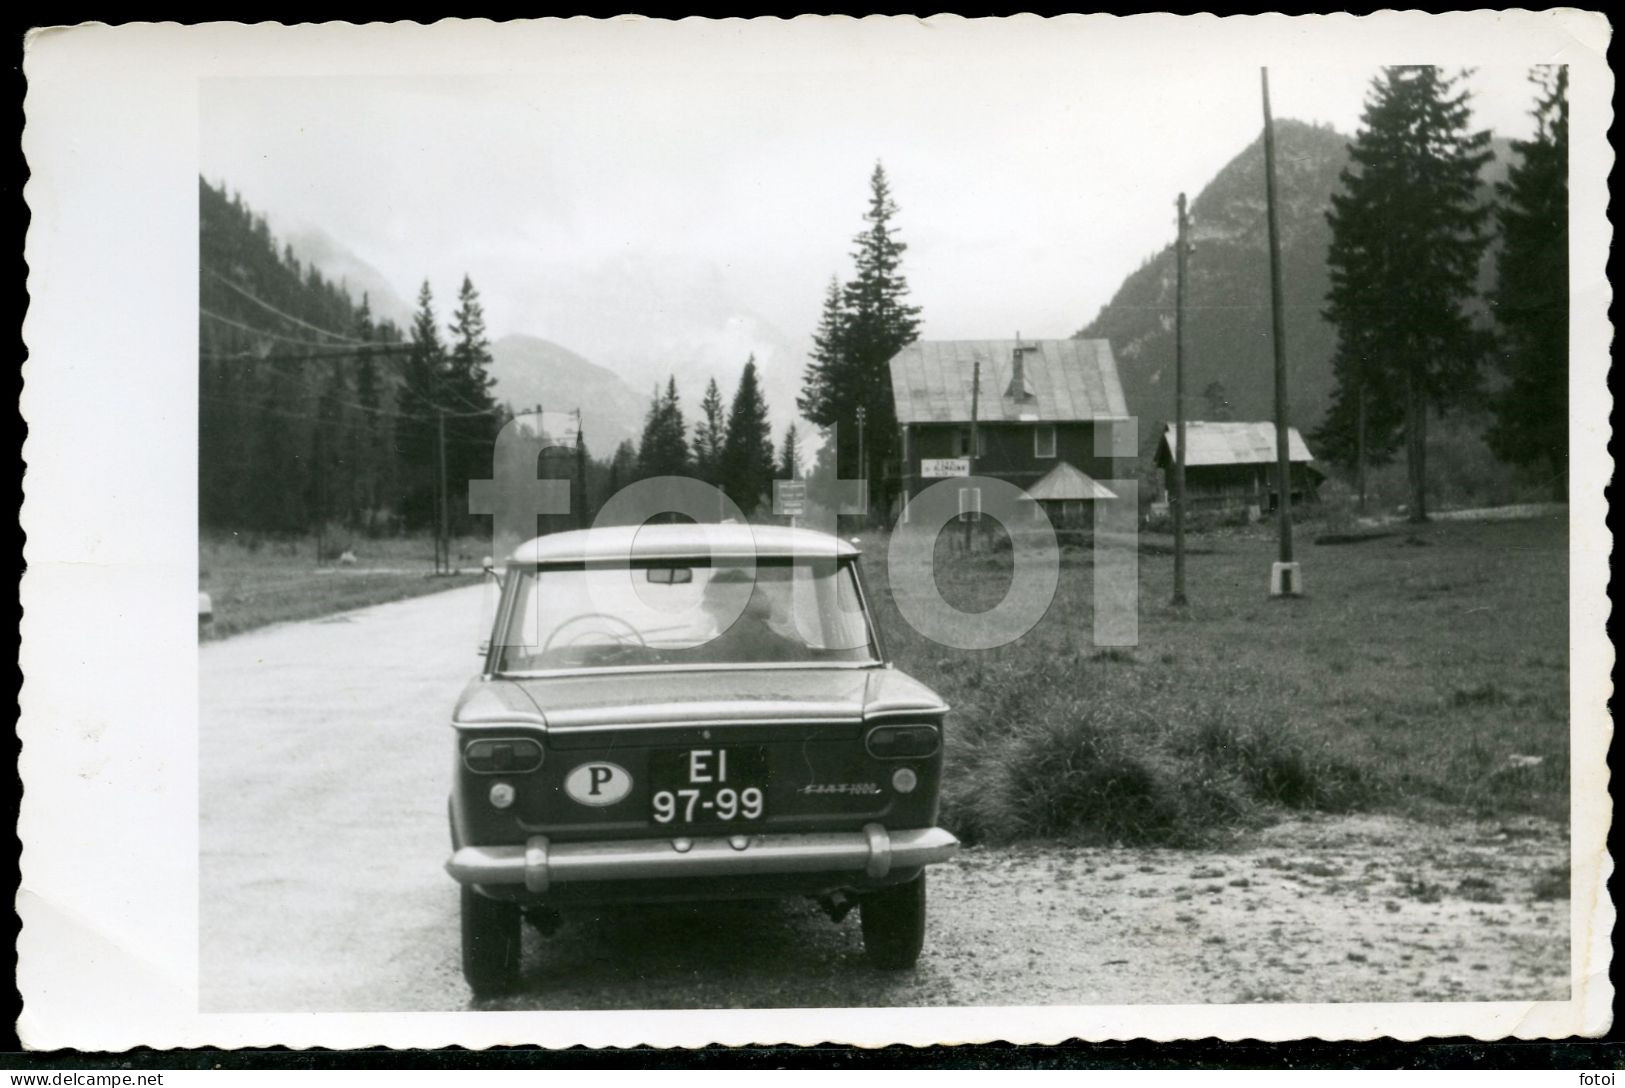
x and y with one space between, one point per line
671 576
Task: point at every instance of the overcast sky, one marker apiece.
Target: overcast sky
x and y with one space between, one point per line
601 204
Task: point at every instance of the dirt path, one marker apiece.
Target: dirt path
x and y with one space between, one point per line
324 758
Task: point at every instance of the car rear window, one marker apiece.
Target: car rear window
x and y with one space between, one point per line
676 613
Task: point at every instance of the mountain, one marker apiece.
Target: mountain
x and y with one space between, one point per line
650 315
314 246
1229 360
529 371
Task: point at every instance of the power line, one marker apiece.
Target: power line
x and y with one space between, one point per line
334 351
392 349
255 330
284 413
256 300
363 351
398 414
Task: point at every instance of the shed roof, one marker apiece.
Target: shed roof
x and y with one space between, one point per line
1063 482
1068 379
1229 444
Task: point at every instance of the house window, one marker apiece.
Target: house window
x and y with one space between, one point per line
970 503
1044 440
962 442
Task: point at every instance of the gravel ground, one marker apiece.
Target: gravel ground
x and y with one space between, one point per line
324 764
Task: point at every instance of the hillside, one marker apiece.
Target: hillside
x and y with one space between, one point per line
530 371
296 413
1229 361
315 247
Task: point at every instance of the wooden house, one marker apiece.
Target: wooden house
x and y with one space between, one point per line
1232 467
1045 413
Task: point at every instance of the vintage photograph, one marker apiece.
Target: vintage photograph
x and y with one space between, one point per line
833 516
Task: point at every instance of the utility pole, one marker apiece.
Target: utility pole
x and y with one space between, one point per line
1179 414
975 396
1284 578
863 463
444 547
581 474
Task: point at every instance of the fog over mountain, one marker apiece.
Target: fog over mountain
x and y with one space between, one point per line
639 319
313 245
531 371
647 317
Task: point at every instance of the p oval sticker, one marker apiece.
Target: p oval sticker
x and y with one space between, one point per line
597 784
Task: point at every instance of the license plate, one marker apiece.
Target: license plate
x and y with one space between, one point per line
708 785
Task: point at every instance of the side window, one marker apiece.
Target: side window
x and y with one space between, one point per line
962 442
1044 440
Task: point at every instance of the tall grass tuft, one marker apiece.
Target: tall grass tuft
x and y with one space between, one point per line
1134 762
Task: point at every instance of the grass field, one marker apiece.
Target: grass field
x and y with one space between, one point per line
1425 671
253 582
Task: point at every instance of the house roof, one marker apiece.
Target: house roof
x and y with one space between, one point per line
733 540
1063 482
1229 444
1068 379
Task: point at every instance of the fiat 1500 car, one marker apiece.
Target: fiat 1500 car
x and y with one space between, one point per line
690 712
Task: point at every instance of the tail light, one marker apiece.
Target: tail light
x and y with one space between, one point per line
902 741
502 755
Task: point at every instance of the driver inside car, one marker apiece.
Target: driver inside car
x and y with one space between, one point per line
742 610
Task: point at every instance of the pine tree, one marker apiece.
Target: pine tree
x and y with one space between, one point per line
469 437
623 468
790 455
861 328
1531 296
709 434
470 351
422 378
664 448
1407 238
822 374
747 453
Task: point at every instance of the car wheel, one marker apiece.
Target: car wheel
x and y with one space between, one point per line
490 943
894 924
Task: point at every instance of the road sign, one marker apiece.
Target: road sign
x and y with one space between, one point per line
789 498
941 468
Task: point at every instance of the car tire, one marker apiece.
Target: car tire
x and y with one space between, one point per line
490 943
894 924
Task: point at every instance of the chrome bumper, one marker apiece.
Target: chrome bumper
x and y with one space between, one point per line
539 864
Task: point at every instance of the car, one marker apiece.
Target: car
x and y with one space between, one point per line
687 712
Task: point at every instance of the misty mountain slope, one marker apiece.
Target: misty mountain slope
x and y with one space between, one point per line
1227 335
1229 353
650 316
529 371
316 247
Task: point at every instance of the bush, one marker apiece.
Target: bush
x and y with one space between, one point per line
1134 763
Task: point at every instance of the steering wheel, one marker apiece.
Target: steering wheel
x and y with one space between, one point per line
615 620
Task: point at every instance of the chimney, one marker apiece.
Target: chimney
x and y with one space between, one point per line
1019 388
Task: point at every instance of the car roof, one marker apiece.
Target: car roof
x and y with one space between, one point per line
731 540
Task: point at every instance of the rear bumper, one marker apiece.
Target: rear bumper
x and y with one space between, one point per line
540 864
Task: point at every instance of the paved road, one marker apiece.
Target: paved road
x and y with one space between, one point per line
325 757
